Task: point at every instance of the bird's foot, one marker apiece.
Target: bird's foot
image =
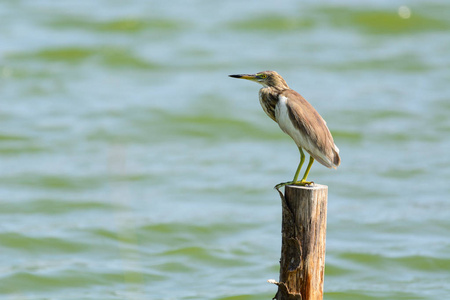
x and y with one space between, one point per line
301 182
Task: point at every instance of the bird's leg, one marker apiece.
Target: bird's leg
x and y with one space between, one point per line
302 160
303 181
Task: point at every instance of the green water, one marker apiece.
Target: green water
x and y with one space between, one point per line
132 167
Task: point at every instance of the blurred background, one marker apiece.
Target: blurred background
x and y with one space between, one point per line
132 167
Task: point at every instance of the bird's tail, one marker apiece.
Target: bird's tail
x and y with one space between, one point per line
330 160
336 160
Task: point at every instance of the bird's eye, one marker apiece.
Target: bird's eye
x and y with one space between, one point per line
263 76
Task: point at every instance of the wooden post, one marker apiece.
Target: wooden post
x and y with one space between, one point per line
302 263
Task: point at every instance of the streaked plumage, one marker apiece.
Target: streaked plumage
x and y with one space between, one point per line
297 118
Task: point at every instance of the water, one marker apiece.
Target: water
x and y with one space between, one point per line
134 168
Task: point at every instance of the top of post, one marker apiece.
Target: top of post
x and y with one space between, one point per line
315 186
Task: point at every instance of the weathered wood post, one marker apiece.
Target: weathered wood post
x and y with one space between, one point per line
302 263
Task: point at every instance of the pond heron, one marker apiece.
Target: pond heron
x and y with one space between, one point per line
298 119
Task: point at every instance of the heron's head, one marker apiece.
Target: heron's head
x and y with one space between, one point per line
266 78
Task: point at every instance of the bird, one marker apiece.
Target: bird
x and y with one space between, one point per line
298 119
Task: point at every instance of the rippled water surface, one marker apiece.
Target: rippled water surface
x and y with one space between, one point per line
132 167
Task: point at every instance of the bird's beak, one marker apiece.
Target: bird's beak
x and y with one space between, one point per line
244 76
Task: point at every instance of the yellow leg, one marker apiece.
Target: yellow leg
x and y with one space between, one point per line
302 160
311 160
303 181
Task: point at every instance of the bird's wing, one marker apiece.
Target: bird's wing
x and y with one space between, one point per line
313 128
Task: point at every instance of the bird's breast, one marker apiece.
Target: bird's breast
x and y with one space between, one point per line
268 102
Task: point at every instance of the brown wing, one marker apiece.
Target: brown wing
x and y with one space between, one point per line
306 119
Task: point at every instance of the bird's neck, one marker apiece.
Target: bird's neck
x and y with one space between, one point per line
275 90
